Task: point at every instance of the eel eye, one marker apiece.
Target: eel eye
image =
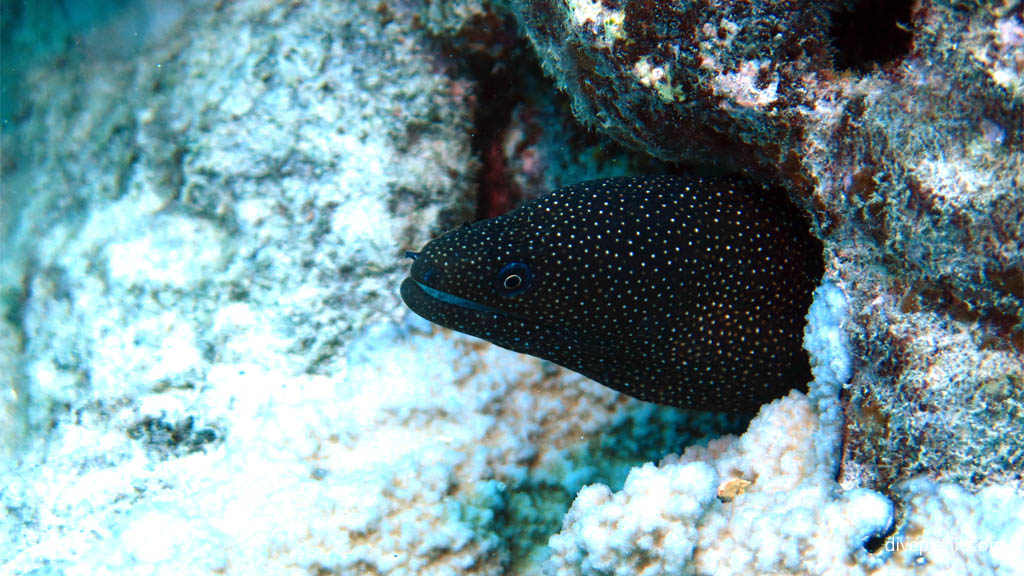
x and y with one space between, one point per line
513 279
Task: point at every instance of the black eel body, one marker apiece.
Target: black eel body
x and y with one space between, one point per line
679 291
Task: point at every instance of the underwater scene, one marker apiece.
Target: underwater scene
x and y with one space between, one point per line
511 287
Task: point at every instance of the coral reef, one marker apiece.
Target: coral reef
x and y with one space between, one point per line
788 517
205 367
909 156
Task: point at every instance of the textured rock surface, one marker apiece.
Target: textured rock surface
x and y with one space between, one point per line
234 170
899 126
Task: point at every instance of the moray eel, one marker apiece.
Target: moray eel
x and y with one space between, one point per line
678 291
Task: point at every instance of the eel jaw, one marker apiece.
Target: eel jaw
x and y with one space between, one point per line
449 298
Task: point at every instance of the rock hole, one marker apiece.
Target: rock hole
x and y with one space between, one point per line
871 33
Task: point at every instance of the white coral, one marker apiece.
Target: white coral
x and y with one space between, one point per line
783 512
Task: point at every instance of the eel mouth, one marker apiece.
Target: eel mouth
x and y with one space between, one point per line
413 291
495 325
461 314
